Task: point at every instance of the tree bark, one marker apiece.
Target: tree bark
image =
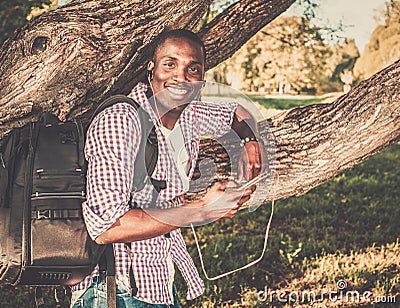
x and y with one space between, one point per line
66 60
309 145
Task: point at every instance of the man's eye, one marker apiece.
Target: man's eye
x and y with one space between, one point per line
169 64
194 69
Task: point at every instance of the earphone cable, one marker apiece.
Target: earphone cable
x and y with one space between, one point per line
254 261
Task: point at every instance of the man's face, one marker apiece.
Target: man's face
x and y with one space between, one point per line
177 70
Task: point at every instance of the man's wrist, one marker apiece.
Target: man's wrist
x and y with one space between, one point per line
198 213
245 140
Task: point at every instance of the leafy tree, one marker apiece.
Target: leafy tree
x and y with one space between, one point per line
384 45
288 53
390 13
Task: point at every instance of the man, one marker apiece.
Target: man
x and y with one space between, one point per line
174 75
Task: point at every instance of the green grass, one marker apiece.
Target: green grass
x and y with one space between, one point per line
285 103
352 215
366 278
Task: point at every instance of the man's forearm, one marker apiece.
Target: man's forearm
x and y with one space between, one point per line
139 224
244 124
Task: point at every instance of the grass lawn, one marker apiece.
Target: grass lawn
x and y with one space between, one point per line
346 230
285 103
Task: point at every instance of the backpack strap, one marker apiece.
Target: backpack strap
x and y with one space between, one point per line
107 274
112 100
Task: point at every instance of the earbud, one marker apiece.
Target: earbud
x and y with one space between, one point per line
203 83
149 75
150 67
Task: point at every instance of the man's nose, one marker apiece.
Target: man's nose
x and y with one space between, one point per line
180 75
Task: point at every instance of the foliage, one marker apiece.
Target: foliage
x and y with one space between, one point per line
279 103
14 14
307 6
390 13
384 45
288 55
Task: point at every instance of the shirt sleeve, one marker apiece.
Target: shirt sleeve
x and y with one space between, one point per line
186 266
214 118
111 146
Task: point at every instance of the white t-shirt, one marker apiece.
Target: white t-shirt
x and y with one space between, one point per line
180 155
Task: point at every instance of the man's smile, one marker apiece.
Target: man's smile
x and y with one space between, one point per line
178 90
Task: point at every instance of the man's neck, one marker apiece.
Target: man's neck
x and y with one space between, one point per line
169 119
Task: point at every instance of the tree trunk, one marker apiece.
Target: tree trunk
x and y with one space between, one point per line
66 60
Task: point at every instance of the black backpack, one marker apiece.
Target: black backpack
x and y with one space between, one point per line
43 238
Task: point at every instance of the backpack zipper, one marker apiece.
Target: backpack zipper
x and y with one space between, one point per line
44 174
71 195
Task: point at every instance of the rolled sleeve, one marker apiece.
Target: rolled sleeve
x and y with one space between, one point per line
111 146
215 118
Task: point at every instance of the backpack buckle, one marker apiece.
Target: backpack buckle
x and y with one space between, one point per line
43 214
3 163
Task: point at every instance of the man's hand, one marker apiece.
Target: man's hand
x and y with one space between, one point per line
220 202
252 161
253 158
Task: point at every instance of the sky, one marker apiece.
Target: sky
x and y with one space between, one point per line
357 15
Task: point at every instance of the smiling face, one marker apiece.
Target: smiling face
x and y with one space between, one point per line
178 70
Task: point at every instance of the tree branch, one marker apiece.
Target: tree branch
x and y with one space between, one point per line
66 60
310 145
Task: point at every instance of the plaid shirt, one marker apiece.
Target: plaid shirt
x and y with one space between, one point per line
112 142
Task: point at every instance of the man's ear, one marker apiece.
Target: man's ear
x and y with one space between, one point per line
149 72
150 65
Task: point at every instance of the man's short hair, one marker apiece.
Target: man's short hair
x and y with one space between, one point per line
179 34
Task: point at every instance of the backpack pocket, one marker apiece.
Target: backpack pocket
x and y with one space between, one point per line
63 181
58 233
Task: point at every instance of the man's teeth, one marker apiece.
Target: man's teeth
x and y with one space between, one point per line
177 91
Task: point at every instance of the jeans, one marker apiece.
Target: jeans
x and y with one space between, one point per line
96 297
